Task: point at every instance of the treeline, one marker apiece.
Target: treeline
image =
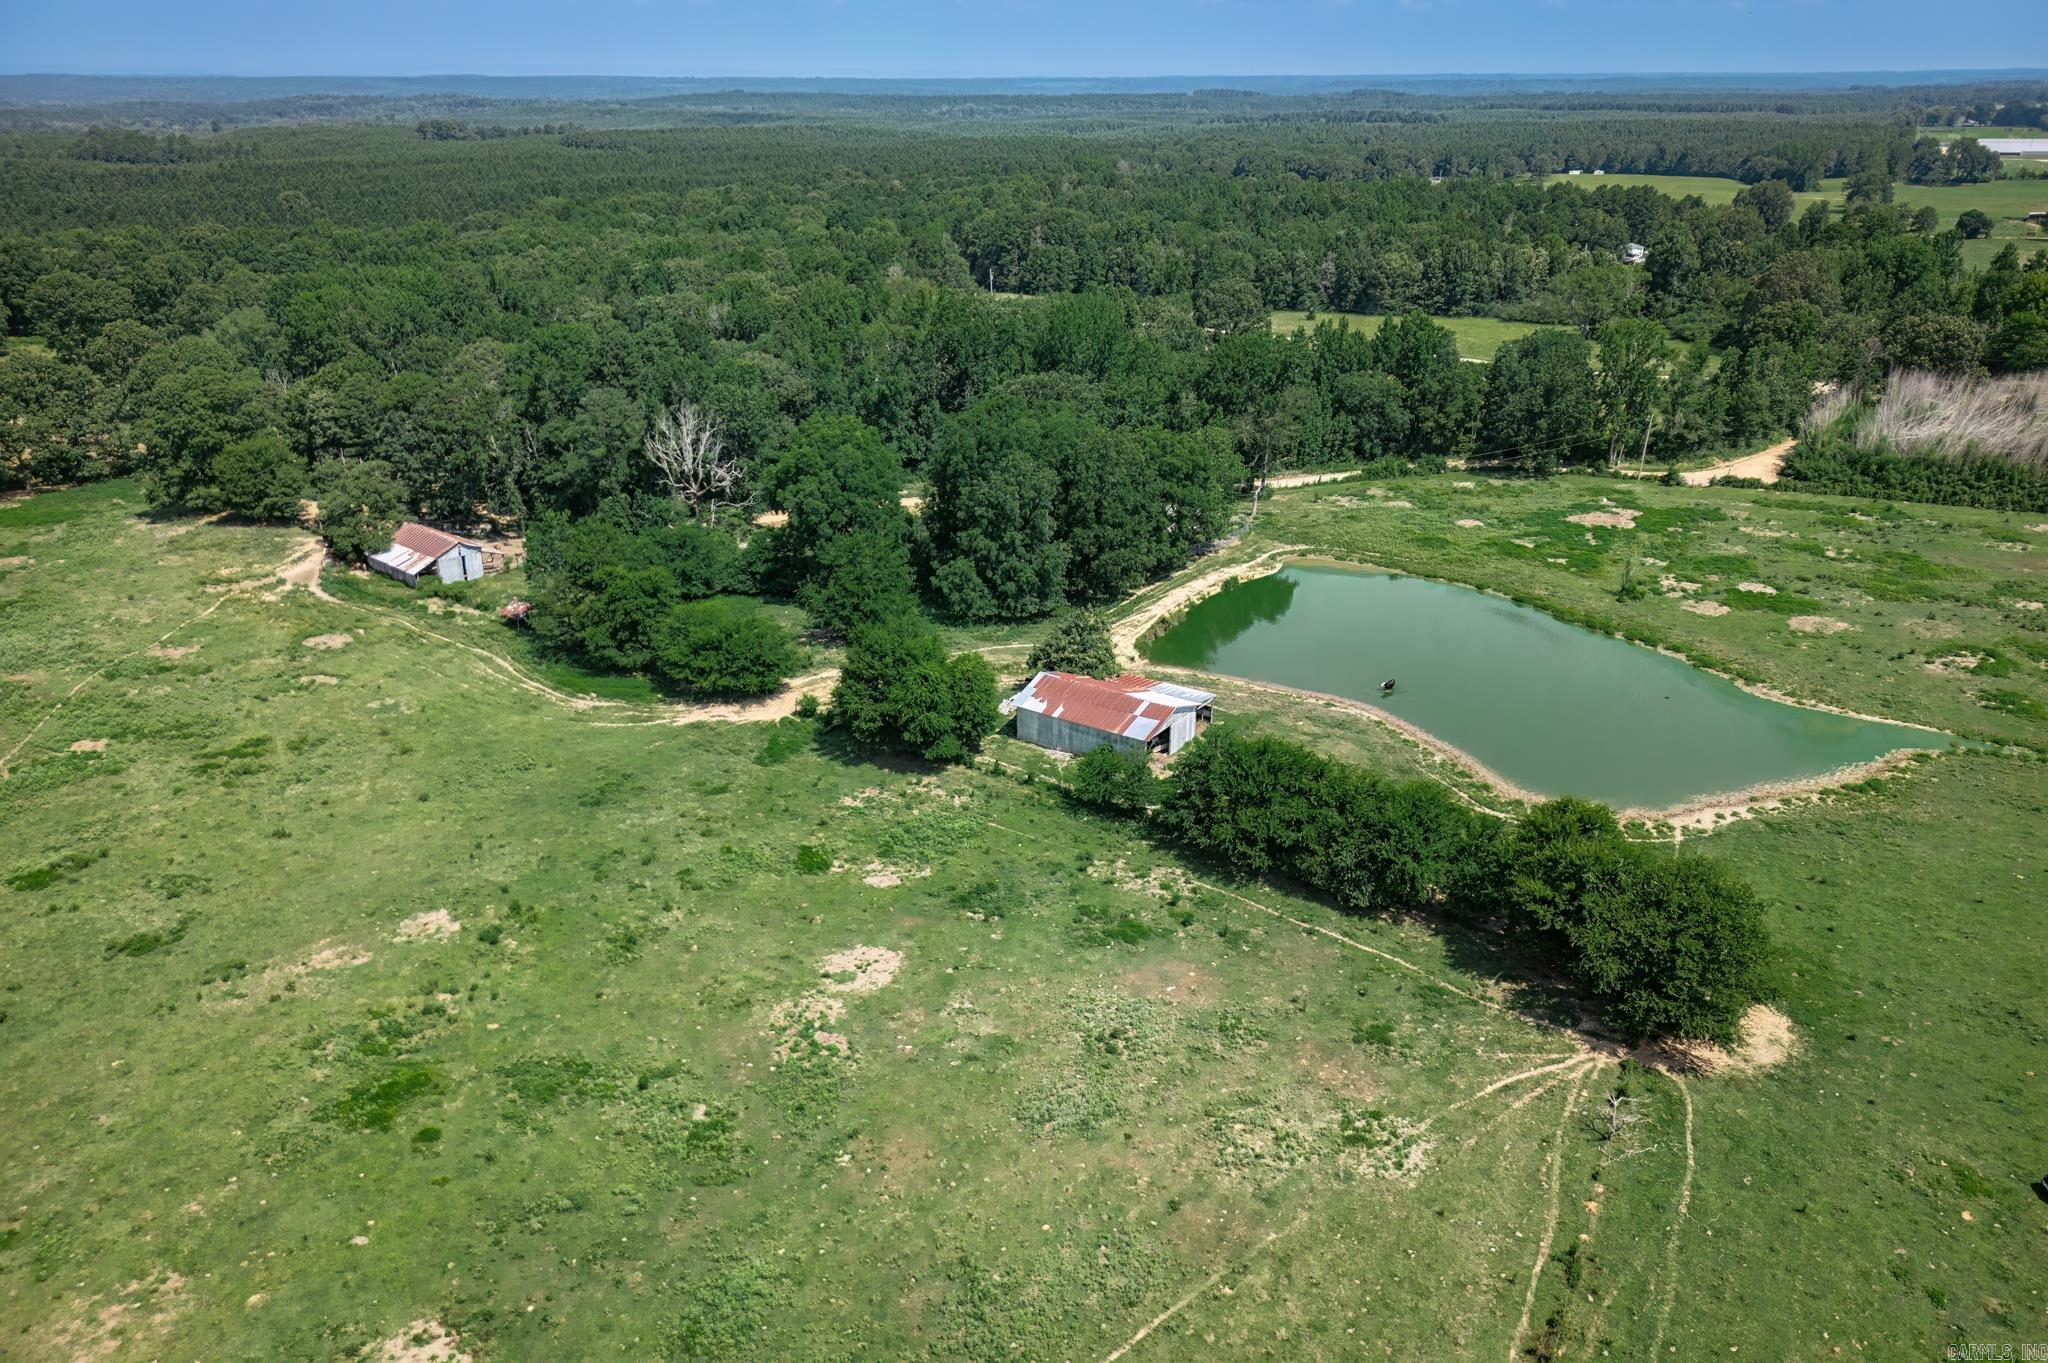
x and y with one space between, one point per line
496 325
1665 944
1965 162
123 146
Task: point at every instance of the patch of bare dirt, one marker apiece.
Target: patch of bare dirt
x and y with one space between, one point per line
1708 608
864 969
435 925
1174 981
1816 624
796 1022
17 561
1768 1040
319 679
324 956
159 651
1756 588
2026 605
1161 882
1763 466
1467 523
1954 664
883 880
303 568
1288 480
139 1314
423 1341
329 641
90 745
1620 518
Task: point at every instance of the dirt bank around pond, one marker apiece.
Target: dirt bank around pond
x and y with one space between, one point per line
1699 814
1124 634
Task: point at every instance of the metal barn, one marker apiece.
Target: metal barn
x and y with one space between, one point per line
416 548
1071 713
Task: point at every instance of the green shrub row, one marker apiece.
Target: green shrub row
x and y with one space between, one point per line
1666 944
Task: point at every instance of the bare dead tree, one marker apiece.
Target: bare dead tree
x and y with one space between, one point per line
689 456
1622 1129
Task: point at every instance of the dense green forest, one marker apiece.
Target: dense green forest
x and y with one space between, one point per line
1059 338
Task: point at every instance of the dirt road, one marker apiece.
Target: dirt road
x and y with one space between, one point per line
1762 465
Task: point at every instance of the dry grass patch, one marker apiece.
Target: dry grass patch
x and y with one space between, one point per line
435 925
423 1341
1816 624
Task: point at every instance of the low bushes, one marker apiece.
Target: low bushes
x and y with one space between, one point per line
1954 441
723 648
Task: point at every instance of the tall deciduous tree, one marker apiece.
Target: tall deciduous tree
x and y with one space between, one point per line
1633 353
990 524
1539 408
836 479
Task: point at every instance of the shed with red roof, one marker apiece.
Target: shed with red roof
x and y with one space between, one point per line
417 549
1072 713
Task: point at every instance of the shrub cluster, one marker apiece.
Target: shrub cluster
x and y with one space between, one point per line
637 599
1666 945
898 689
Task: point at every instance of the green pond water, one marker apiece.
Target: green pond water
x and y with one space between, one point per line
1551 707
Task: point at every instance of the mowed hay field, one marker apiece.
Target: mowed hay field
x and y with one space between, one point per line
1479 338
358 993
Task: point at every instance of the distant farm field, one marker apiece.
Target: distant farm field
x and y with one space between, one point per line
2006 201
1478 337
1713 189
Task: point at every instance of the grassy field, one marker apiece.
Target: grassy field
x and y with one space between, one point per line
1712 188
353 988
1478 337
2006 201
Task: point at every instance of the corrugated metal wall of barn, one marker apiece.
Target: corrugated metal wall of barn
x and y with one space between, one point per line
1067 736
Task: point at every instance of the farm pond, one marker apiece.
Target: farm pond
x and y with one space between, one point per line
1549 707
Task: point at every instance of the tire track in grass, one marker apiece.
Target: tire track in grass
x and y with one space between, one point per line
1669 1276
1574 1075
1207 1284
1556 1181
6 772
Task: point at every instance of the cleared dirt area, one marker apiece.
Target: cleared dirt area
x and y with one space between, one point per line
1764 466
1125 633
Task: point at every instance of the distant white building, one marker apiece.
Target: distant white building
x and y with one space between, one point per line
1635 253
1073 713
418 549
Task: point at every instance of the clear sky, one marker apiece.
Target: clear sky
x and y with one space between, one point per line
885 38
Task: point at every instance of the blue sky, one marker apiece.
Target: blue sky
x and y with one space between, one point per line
886 38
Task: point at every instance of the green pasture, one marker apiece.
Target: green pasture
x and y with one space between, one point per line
1478 337
353 988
